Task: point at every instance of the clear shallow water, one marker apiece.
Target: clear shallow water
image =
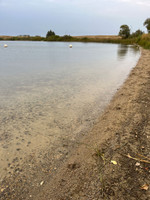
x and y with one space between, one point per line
50 93
24 65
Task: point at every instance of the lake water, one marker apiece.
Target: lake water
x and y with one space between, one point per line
51 94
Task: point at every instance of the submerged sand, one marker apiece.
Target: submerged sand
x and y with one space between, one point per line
85 170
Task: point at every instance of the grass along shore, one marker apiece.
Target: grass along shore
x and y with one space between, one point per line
143 40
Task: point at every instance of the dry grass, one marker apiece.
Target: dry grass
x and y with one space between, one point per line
146 36
5 37
98 37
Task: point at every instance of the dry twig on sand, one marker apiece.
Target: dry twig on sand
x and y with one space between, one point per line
139 159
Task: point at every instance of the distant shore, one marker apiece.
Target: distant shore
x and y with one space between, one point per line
65 38
142 40
7 37
98 37
121 135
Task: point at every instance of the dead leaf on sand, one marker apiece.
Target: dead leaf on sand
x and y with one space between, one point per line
114 162
144 187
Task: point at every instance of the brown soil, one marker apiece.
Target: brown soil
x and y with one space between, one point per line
122 134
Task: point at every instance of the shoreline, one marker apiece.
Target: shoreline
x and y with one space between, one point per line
37 115
86 173
122 133
142 40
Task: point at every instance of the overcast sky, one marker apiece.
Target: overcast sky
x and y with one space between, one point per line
74 17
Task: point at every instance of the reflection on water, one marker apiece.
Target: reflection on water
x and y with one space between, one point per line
123 50
50 93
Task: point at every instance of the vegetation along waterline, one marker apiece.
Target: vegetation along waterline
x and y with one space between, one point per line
124 37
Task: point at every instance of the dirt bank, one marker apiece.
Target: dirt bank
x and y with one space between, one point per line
111 162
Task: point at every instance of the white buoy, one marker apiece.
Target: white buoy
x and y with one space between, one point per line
70 46
5 45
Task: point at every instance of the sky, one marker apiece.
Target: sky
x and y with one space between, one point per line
71 17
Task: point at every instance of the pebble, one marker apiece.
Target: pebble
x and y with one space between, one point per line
42 183
137 164
2 189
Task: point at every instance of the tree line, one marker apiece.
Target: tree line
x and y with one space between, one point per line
51 36
127 37
125 31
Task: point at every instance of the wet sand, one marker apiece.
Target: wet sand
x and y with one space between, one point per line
81 168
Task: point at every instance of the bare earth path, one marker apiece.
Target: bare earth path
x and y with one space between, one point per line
111 162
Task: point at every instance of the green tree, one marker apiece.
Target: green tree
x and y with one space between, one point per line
50 33
147 24
137 33
124 31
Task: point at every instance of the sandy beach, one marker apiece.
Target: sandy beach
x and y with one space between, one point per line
112 161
